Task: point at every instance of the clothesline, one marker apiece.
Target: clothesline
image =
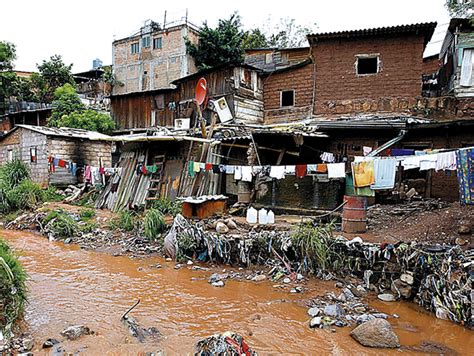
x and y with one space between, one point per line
92 174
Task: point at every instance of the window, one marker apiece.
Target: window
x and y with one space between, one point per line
268 58
146 42
157 43
367 65
287 98
10 155
135 48
467 67
33 155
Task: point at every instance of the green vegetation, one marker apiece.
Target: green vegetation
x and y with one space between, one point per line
167 206
459 8
60 223
86 214
13 288
154 224
314 247
126 221
68 111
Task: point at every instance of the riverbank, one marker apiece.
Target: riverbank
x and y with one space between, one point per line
71 286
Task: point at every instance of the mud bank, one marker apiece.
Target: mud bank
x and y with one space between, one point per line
71 286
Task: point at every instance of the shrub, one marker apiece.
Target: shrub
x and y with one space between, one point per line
126 220
87 227
13 288
86 214
60 223
167 206
26 195
51 194
13 173
154 224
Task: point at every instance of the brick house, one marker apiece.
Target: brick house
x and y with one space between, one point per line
35 144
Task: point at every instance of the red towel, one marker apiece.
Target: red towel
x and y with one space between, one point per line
301 170
62 163
208 167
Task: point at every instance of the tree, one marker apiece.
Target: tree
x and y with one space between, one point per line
287 33
254 38
53 74
7 76
460 8
66 101
91 120
220 45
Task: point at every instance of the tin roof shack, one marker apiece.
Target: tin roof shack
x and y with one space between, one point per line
153 58
370 70
240 85
24 113
35 144
457 56
92 88
147 109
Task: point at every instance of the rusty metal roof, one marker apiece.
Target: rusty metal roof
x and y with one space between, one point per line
426 29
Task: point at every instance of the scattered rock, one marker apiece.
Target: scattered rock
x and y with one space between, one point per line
259 278
315 322
407 278
400 288
376 333
287 280
222 228
312 312
27 344
299 277
223 344
231 224
50 343
386 297
218 284
75 332
431 347
333 310
464 230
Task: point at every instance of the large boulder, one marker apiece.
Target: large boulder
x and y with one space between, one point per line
376 333
75 332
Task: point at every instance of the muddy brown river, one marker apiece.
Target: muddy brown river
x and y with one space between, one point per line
71 286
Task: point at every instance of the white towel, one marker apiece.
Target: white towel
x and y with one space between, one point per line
290 170
277 172
246 173
336 170
428 162
238 173
446 161
327 157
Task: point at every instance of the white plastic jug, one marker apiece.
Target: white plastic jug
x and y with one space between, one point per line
262 216
252 215
270 217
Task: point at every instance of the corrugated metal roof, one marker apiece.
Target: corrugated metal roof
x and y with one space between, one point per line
426 29
67 132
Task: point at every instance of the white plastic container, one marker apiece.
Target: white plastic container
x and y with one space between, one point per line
262 216
270 217
252 215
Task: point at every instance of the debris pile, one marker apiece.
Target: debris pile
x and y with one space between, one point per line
228 344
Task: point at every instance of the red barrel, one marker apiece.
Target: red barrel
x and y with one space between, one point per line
354 214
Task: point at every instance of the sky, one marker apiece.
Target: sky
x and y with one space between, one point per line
83 30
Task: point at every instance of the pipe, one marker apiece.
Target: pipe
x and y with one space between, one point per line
386 145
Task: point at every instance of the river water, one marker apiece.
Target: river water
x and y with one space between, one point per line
70 286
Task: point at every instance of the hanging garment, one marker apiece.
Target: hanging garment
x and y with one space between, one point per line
230 169
196 167
363 173
246 173
73 168
466 68
191 169
336 170
102 170
322 168
290 170
428 162
312 168
62 163
152 169
208 166
385 170
402 152
238 173
144 170
223 168
301 170
277 172
56 162
465 170
446 161
327 157
202 166
95 175
256 170
215 168
366 150
87 174
411 162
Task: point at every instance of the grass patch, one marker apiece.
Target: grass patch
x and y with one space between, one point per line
153 224
86 214
125 220
60 224
167 206
13 290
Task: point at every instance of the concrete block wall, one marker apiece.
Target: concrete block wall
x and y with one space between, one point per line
11 142
39 170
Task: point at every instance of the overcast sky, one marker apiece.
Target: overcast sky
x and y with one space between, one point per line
83 30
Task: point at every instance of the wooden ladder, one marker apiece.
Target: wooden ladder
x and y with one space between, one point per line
156 179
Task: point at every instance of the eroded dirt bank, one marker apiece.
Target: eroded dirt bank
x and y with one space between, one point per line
71 286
